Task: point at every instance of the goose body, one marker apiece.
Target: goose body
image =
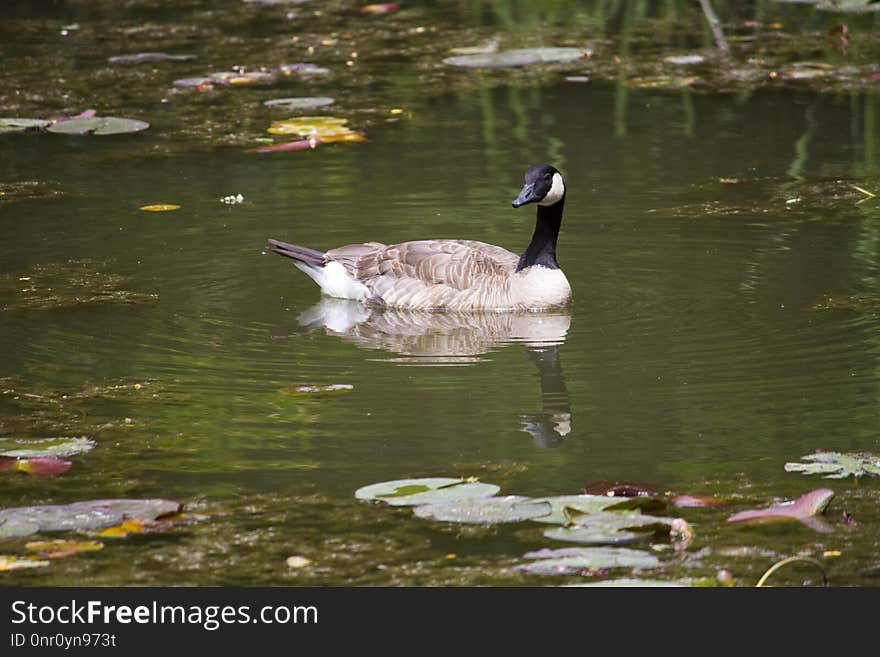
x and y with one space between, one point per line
450 274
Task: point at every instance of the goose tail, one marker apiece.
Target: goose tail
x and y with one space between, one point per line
299 253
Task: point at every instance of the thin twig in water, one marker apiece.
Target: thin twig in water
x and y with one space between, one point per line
779 564
868 195
715 25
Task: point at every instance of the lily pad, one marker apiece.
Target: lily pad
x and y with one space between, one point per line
567 561
803 508
611 528
81 516
837 465
565 507
633 582
199 81
684 60
99 125
517 58
145 57
303 70
305 102
9 125
243 77
487 511
44 447
38 467
428 490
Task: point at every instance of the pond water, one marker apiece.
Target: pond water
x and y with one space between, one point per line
725 322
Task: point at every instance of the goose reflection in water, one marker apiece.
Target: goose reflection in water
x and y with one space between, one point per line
456 338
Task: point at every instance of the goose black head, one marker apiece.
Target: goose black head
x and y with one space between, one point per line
543 186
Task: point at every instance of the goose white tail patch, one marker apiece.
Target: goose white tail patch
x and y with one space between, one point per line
335 280
557 191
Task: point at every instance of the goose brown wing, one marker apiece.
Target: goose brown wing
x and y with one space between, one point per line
458 264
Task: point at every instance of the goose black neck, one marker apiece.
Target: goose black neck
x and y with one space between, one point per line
542 248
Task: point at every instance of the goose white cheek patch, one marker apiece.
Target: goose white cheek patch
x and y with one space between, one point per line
557 190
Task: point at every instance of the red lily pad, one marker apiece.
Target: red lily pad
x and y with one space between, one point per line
38 467
805 508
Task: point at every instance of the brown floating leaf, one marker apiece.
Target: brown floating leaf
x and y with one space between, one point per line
619 489
379 8
159 207
698 501
62 548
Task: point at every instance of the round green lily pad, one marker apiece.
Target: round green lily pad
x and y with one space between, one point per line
305 102
487 511
98 125
610 528
9 125
44 447
569 508
516 58
572 560
428 490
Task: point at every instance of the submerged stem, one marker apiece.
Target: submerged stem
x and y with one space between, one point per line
715 25
779 564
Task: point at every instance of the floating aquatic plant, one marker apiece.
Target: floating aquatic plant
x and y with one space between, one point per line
486 511
837 465
427 490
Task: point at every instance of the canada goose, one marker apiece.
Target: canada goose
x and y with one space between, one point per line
451 274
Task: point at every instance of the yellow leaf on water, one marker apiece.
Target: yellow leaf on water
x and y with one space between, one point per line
349 137
308 126
159 207
63 548
11 562
127 527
